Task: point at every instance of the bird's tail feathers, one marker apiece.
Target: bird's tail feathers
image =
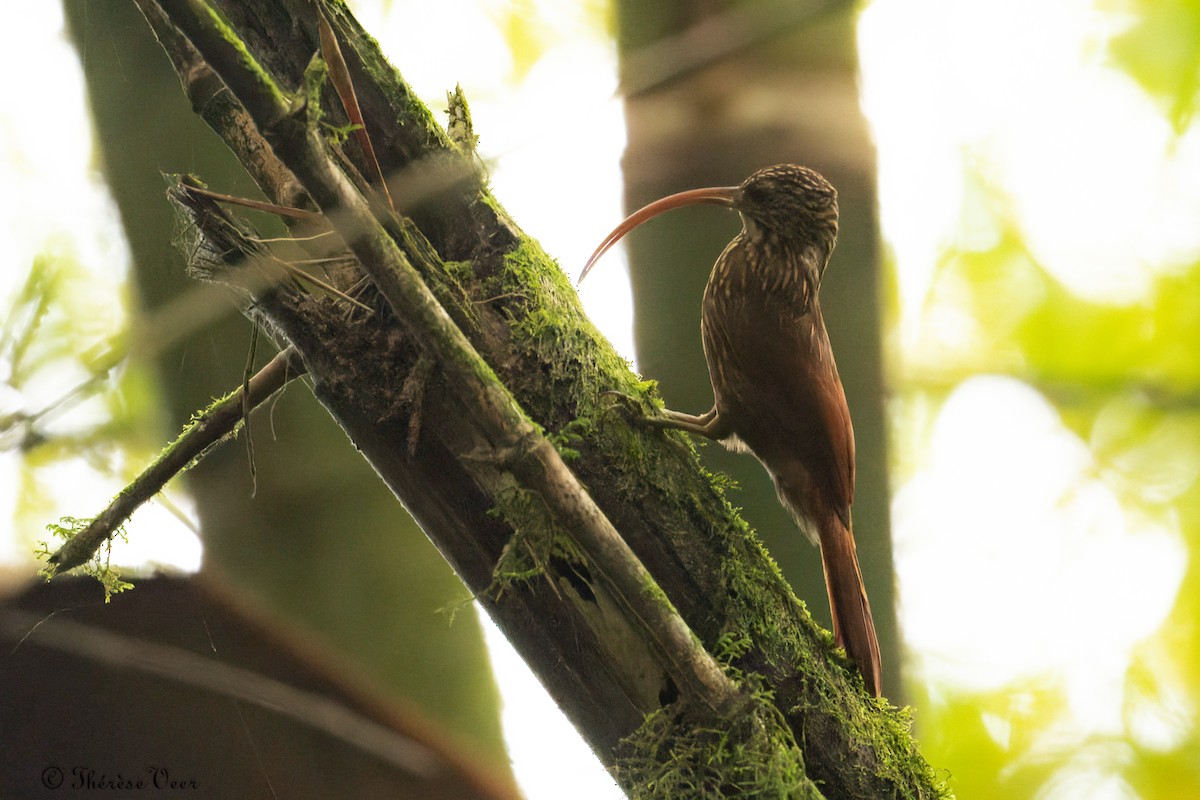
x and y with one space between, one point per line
853 626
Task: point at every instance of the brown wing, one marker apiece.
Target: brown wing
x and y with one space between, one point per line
774 377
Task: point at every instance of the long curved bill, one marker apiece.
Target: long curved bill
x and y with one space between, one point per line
716 195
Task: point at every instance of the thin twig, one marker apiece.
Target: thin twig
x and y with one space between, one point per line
257 205
214 425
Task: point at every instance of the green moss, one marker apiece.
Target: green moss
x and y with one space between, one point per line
315 75
572 434
461 272
225 30
99 566
731 646
199 418
550 326
535 543
461 129
84 539
654 592
680 751
452 289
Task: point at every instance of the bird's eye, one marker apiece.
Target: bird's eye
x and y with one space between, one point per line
755 192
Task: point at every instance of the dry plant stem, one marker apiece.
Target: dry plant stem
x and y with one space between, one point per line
339 76
217 423
504 432
257 205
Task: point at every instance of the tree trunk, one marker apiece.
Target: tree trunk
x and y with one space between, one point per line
473 384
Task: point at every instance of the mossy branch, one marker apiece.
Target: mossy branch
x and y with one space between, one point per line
210 427
510 438
461 287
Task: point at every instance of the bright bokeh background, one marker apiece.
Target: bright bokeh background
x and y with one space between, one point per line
1039 177
1040 191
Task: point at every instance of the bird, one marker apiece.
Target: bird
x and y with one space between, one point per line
776 389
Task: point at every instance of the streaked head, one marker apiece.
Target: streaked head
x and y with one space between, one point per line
790 202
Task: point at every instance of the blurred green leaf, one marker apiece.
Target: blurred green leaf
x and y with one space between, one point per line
77 404
1149 347
991 742
526 35
1125 377
1161 51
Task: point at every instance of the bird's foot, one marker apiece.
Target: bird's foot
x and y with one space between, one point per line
709 424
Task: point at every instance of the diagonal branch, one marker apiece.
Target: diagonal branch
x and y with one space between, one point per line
210 428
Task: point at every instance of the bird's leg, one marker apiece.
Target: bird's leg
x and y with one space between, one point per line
710 424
